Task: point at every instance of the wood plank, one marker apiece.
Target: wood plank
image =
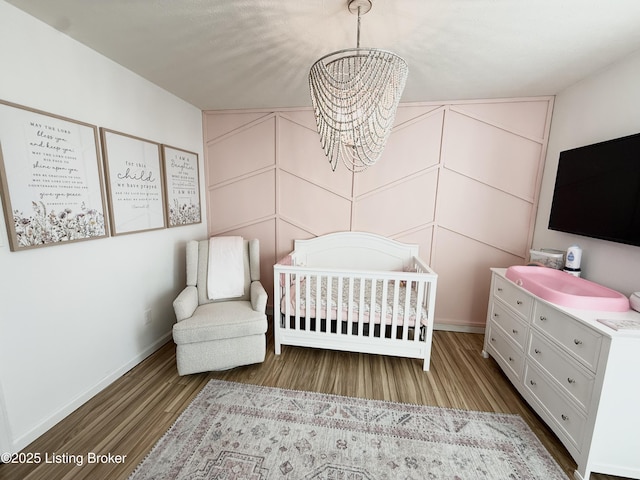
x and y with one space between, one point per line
130 416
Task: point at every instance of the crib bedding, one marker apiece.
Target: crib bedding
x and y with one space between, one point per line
341 303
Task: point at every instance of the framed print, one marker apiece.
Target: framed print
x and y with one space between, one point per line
182 186
51 178
134 182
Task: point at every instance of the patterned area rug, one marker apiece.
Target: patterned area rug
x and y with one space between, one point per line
234 431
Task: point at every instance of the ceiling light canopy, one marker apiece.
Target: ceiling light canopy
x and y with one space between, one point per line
355 94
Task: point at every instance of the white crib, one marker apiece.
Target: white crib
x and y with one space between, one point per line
356 292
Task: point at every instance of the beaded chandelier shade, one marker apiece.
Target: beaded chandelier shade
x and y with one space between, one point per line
355 95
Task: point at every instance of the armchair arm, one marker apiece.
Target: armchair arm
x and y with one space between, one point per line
186 303
258 297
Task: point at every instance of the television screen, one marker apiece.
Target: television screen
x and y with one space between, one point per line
597 191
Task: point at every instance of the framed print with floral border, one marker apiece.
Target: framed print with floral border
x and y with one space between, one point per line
134 182
50 177
182 186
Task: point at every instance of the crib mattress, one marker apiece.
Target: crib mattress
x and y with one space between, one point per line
308 303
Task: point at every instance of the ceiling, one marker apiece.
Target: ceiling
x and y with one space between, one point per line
232 54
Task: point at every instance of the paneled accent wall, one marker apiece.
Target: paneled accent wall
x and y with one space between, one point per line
459 179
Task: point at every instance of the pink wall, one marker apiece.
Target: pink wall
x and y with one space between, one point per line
459 179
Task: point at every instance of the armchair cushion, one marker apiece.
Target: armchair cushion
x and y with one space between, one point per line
219 320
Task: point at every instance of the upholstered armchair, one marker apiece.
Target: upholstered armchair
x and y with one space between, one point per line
220 333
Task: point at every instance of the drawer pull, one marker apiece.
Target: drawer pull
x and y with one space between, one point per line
493 339
515 332
499 289
543 318
571 380
564 417
519 302
537 350
496 315
533 384
511 359
577 342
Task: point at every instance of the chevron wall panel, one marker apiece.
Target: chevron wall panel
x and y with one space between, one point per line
398 208
459 179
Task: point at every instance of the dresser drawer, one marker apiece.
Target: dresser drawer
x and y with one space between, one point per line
581 341
566 417
504 352
512 296
515 328
570 377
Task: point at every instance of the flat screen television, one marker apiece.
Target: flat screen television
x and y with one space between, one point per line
597 191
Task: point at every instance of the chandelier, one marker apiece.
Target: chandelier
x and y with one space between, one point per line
355 94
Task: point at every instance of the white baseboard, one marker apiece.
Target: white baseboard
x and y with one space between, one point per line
458 328
26 439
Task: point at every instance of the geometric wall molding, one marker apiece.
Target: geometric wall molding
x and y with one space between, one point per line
525 118
492 155
395 209
248 200
465 262
249 149
402 157
312 207
459 179
230 123
299 155
488 215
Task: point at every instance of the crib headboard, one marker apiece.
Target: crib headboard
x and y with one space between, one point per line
354 250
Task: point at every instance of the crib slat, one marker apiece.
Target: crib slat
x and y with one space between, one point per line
328 313
419 303
350 307
372 309
287 299
361 308
296 325
407 307
402 310
389 309
396 304
384 300
307 292
339 304
317 292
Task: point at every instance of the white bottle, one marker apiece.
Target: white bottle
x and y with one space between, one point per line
574 258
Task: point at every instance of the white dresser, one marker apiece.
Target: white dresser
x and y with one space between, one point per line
580 376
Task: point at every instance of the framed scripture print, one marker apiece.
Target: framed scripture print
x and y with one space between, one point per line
134 182
50 177
182 186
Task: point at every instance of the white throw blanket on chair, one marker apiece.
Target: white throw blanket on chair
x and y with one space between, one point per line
225 275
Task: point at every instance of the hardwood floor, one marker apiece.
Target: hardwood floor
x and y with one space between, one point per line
130 416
